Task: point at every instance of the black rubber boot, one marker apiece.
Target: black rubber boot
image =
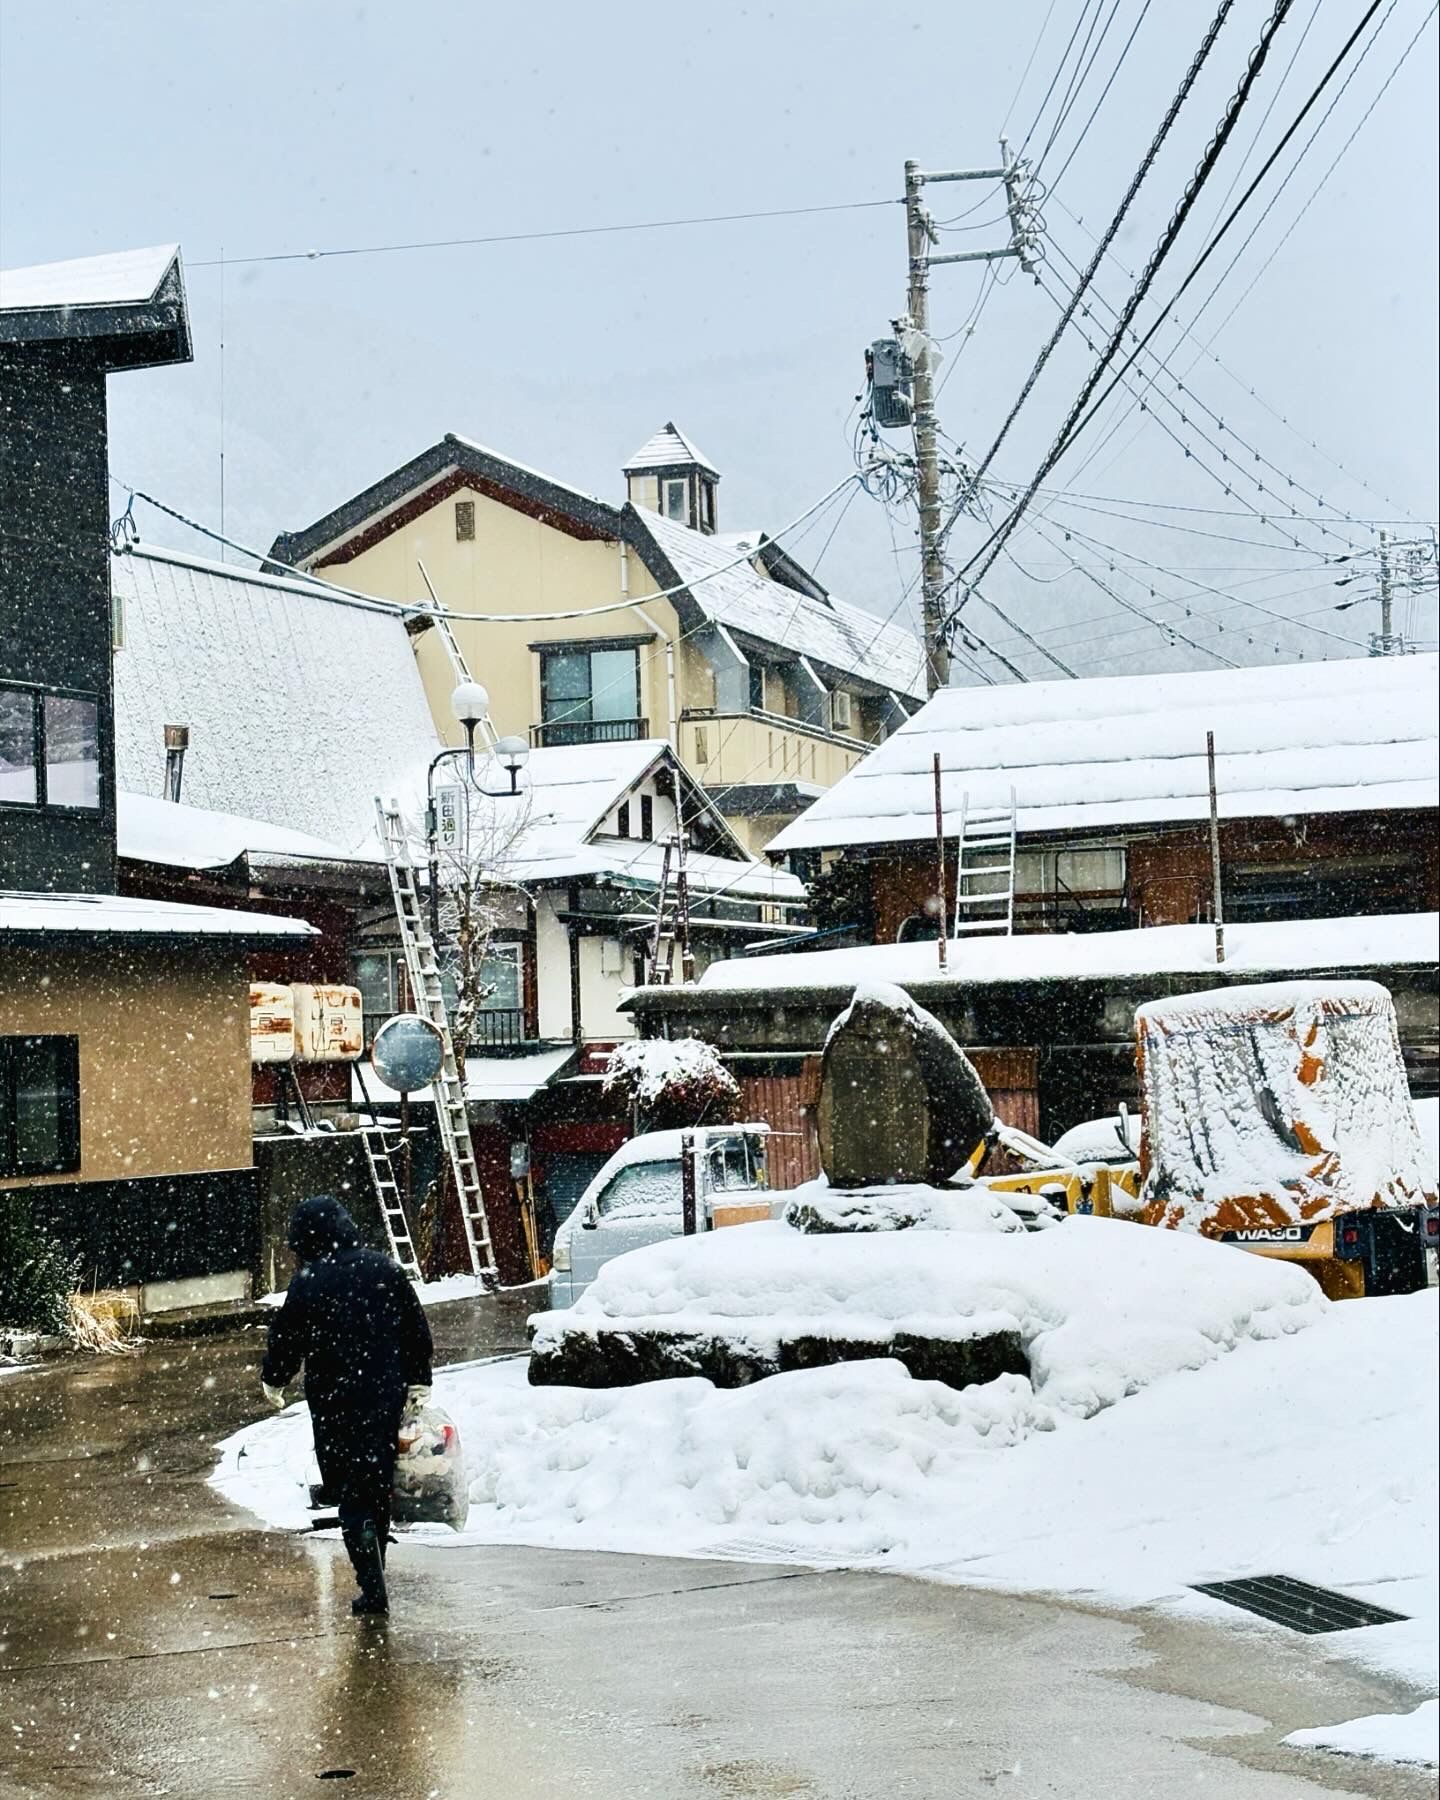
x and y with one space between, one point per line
363 1545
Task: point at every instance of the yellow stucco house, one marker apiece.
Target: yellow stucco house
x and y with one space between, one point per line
768 687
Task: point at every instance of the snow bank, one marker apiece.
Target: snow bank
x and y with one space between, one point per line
1412 1737
815 1206
1311 1454
1102 1307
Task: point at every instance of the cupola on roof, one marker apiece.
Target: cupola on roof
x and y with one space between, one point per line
669 449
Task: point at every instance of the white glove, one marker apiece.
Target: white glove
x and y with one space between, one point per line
415 1398
276 1396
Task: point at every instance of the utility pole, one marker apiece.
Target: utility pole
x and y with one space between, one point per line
1386 596
921 236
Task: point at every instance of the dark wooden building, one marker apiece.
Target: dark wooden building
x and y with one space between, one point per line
124 1027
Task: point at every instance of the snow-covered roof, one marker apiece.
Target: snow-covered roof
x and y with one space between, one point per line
491 1077
668 449
1384 941
569 793
190 837
100 914
120 278
844 638
1124 750
302 705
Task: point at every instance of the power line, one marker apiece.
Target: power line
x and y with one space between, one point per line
1314 195
1059 71
1206 349
991 549
1029 62
1104 94
535 237
1235 211
1077 80
1197 63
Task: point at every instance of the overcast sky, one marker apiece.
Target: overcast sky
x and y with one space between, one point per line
276 128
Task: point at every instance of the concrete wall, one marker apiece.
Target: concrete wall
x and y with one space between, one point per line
164 1050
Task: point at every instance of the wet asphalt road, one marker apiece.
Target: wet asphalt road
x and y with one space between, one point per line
154 1642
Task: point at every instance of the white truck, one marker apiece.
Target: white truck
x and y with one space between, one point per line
639 1197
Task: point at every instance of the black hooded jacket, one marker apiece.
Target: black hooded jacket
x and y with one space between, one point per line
352 1317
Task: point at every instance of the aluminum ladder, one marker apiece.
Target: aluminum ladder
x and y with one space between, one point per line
380 1150
986 851
429 999
672 919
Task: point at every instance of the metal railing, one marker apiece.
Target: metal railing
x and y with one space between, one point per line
498 1028
589 731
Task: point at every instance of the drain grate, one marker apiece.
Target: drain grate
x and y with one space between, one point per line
1282 1600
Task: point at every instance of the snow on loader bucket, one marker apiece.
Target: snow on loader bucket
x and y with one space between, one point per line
1278 1117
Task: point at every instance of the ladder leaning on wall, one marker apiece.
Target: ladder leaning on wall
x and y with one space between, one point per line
423 969
986 851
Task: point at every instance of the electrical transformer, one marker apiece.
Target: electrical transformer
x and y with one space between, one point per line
891 373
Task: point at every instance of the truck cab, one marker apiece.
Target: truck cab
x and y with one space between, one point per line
638 1198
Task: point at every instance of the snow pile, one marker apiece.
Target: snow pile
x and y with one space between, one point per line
816 1207
1102 1307
1276 1103
1412 1737
1242 1466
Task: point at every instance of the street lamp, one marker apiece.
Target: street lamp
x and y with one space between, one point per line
512 754
470 704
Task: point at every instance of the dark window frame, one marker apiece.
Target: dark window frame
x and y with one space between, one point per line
67 1099
647 818
567 707
39 693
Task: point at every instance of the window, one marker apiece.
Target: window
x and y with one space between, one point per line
590 696
49 749
641 1188
757 687
464 521
622 819
72 751
500 975
707 505
39 1105
19 748
675 500
702 746
647 817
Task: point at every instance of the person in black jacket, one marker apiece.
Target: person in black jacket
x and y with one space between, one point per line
352 1317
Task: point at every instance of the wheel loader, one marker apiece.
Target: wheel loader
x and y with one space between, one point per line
1274 1117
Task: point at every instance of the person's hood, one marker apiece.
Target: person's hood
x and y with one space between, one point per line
320 1226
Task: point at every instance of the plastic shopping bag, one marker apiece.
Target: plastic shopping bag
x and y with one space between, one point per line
430 1485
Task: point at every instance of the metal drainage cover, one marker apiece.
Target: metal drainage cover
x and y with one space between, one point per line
1284 1601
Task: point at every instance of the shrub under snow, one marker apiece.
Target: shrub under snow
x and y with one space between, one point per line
672 1084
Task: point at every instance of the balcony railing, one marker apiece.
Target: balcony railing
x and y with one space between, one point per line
589 731
495 1028
498 1028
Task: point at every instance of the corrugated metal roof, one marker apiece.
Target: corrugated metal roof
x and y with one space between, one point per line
665 450
844 637
301 708
1358 734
